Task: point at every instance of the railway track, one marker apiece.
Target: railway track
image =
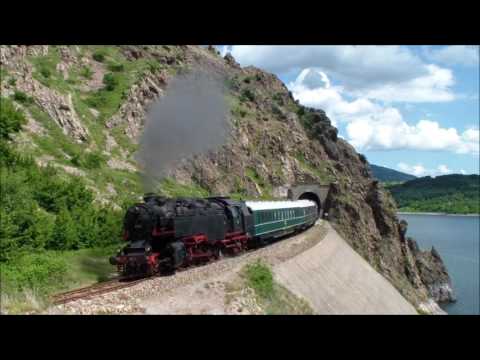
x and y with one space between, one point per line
93 290
112 285
105 287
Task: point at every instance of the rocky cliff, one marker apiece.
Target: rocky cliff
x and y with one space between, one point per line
91 101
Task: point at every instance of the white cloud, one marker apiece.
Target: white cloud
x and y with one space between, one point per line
224 49
314 89
388 131
419 170
454 55
371 126
432 87
443 169
388 73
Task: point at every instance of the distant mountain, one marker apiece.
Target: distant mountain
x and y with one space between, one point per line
385 174
454 194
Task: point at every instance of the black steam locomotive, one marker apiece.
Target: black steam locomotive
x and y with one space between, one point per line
165 234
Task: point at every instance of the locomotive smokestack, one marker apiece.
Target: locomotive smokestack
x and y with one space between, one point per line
190 119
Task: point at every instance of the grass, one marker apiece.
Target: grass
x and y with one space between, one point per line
56 143
45 71
422 312
22 98
320 173
264 185
273 298
30 280
169 187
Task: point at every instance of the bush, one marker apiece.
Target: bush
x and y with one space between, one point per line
11 120
276 111
93 160
277 97
301 111
86 72
45 72
21 97
98 57
260 278
40 209
98 100
12 82
64 235
116 67
89 161
40 271
110 81
247 95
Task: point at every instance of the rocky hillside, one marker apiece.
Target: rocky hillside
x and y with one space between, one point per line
86 108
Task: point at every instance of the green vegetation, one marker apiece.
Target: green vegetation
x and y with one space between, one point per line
271 296
92 160
171 188
21 97
264 185
452 194
46 70
43 214
422 312
98 56
110 81
86 72
278 98
57 143
306 118
11 121
260 278
116 67
247 95
28 282
320 172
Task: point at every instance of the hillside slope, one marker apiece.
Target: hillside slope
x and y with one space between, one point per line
88 104
384 174
451 194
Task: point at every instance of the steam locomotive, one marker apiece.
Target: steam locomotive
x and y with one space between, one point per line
165 234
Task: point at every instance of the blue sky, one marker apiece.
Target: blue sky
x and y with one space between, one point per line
410 108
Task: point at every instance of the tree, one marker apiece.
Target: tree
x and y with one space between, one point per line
64 235
11 120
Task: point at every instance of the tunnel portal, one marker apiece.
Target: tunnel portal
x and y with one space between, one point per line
314 192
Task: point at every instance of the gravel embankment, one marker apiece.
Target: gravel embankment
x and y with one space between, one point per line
129 300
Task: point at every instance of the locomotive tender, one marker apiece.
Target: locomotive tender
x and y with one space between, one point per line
165 234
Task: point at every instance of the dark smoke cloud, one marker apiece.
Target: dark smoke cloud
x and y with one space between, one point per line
190 119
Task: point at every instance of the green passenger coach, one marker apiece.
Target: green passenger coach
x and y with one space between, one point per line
278 218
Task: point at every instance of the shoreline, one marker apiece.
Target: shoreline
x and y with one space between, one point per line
433 213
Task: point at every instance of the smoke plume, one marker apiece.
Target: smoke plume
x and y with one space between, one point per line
190 119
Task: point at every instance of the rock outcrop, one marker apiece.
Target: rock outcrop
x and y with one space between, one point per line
58 106
275 143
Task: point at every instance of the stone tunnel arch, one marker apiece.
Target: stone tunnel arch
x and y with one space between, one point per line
315 192
313 197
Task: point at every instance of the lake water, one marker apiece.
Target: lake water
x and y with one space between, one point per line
457 240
